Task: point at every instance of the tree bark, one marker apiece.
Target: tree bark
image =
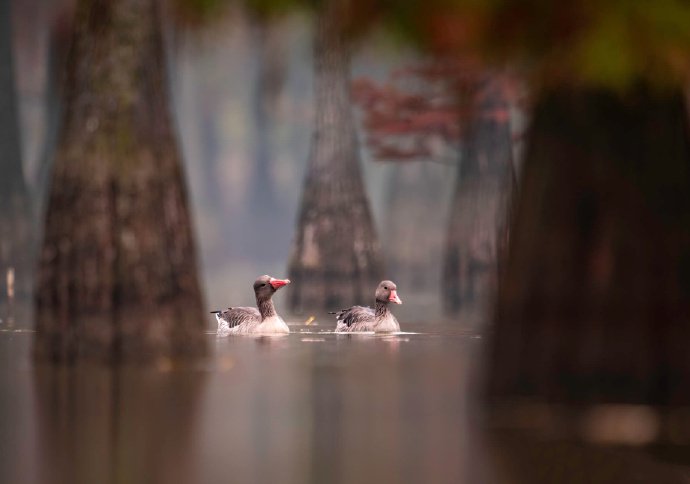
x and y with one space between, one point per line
594 301
479 206
335 259
16 231
117 277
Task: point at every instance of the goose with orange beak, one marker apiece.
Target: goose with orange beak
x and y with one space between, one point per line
264 320
380 319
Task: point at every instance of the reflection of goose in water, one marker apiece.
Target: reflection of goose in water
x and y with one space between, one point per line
379 319
244 320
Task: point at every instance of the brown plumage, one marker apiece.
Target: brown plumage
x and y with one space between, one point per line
379 319
265 319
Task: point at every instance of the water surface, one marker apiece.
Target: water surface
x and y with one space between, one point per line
309 407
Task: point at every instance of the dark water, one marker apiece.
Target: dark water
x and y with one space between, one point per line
309 407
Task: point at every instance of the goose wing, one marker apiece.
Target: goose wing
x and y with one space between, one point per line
356 318
238 315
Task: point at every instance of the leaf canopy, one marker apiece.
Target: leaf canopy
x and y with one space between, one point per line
609 43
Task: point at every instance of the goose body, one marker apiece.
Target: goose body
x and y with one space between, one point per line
379 319
354 319
248 320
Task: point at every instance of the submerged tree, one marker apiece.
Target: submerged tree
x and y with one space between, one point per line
597 265
16 231
600 251
456 105
403 122
59 37
117 277
266 215
594 297
479 208
335 258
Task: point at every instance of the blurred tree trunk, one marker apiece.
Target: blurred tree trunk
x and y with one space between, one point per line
270 77
335 260
416 218
58 39
594 301
117 277
479 206
266 216
16 231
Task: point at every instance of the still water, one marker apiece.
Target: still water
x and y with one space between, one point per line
309 407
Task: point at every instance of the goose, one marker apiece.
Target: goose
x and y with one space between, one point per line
380 319
246 320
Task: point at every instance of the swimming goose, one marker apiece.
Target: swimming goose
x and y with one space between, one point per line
244 320
380 319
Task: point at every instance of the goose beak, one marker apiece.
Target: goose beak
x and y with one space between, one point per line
278 283
394 297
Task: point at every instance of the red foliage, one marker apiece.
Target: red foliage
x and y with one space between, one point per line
422 109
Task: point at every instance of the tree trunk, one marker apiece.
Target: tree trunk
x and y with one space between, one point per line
270 77
594 301
16 231
266 216
479 206
416 215
335 260
117 275
59 39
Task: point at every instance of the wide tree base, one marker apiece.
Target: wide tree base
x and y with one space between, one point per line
117 279
594 301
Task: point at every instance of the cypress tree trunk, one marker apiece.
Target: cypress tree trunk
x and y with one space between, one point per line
270 74
266 215
59 40
416 215
594 302
335 258
117 276
16 231
480 204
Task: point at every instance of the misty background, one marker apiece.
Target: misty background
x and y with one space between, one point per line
241 94
527 166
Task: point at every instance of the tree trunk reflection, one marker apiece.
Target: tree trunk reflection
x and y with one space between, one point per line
116 425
